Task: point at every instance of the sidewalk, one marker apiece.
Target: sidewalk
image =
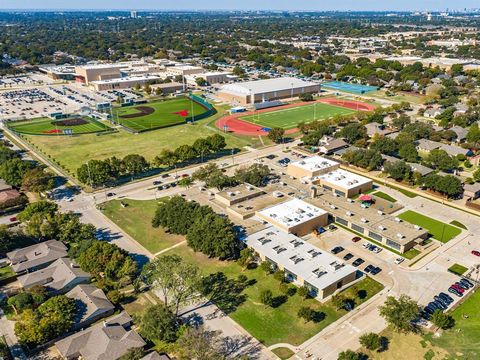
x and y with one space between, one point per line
7 330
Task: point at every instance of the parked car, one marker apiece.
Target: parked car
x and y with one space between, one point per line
358 262
454 291
369 268
337 249
13 219
399 260
348 256
110 194
466 282
375 270
475 252
446 297
157 182
356 239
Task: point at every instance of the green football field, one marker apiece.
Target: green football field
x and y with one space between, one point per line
158 114
46 126
291 117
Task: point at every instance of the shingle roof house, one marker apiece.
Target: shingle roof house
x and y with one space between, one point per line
91 303
36 256
58 277
108 340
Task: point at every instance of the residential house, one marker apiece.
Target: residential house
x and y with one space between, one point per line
426 146
329 144
36 256
375 128
59 277
432 113
461 133
155 356
108 340
471 191
91 303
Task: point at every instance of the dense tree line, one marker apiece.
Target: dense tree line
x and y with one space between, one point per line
205 230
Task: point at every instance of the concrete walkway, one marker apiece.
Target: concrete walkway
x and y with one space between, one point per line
7 330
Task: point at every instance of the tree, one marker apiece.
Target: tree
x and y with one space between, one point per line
177 280
473 135
266 297
200 81
95 173
213 235
442 320
133 354
306 313
304 292
108 262
201 344
349 355
42 207
166 157
398 170
157 322
135 164
353 132
54 317
246 258
217 142
276 134
13 170
338 301
371 341
185 153
256 174
202 147
400 313
306 97
185 182
408 152
476 175
385 145
441 160
37 180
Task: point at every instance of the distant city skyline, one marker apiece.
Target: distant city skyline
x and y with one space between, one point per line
367 5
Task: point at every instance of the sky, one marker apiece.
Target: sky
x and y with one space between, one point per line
389 5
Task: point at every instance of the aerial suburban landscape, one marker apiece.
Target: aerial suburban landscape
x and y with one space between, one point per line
244 180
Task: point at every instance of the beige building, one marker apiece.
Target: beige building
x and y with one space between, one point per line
294 216
304 264
89 73
311 167
184 70
344 183
124 83
238 194
256 91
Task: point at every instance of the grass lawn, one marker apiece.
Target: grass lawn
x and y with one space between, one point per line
6 272
46 126
289 118
403 191
463 340
384 196
158 114
401 96
283 353
141 302
272 325
135 219
457 269
71 152
439 230
458 224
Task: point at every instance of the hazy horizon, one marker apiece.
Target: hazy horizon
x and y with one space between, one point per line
298 5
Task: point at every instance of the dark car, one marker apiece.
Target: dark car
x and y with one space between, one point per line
445 297
271 157
466 282
369 268
375 270
337 250
455 291
440 305
358 262
462 285
356 239
110 194
157 182
348 256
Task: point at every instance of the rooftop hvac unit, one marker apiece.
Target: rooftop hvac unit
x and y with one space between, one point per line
417 227
397 219
380 212
381 227
302 162
348 213
249 188
350 201
333 207
400 236
363 220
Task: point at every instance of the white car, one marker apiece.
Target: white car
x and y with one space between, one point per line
399 260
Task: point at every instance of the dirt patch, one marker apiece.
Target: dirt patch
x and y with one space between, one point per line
70 122
142 111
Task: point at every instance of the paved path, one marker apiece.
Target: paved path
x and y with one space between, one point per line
6 329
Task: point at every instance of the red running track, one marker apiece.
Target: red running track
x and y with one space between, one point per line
241 127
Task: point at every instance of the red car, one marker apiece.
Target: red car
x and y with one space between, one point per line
475 252
13 219
458 288
356 239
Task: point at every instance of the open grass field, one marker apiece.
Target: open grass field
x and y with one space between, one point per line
272 325
399 97
289 118
384 196
463 340
440 231
46 126
76 150
135 219
458 269
158 114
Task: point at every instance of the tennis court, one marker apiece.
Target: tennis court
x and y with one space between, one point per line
349 87
158 114
45 126
289 118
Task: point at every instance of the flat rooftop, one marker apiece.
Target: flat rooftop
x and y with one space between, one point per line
369 218
127 79
264 86
315 163
315 266
344 179
292 213
240 191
